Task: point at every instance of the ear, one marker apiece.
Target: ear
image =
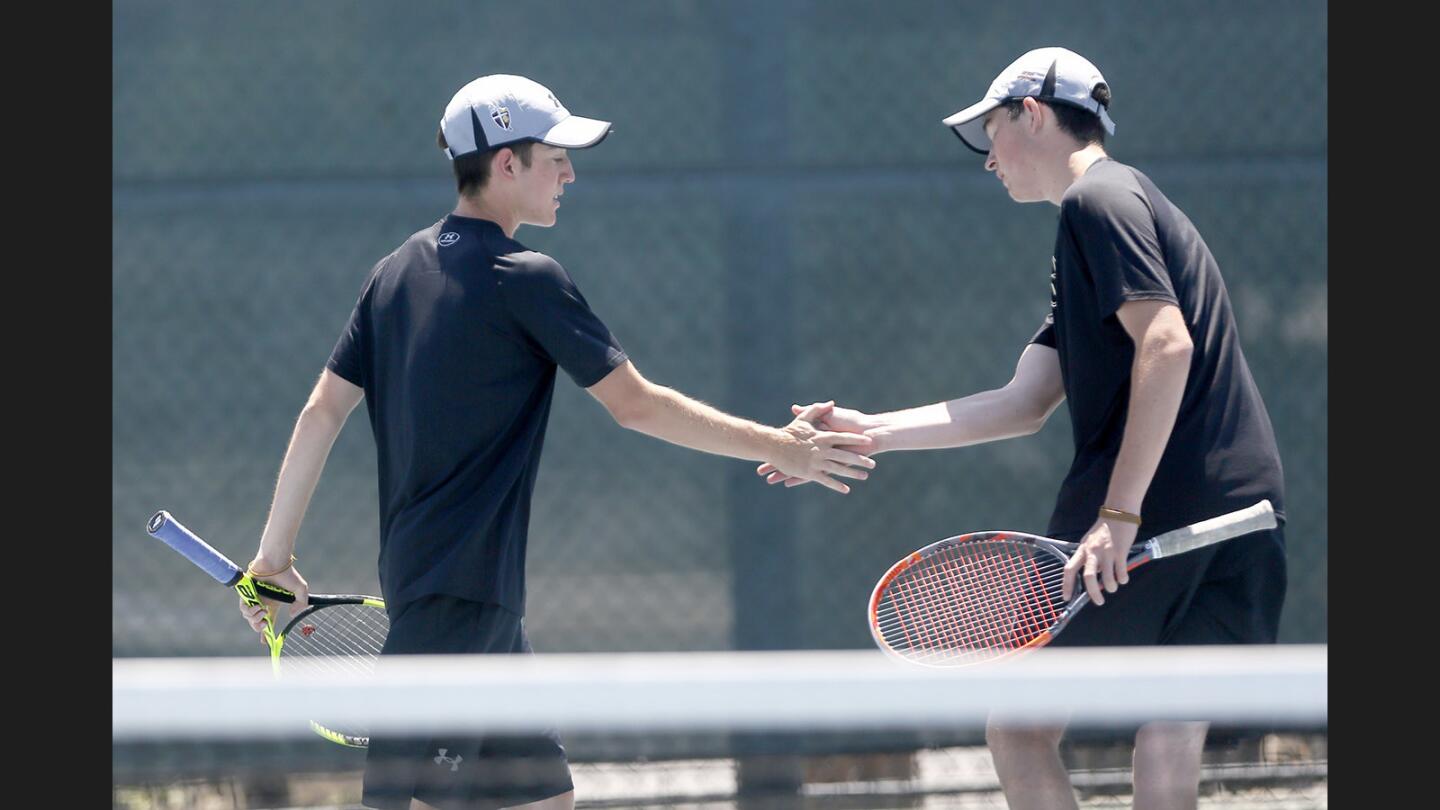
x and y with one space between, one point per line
503 163
1036 110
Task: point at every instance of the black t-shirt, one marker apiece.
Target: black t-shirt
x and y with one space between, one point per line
455 339
1121 240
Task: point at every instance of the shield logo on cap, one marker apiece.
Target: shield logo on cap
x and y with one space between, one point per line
501 117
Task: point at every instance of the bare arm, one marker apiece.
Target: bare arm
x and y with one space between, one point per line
324 414
640 405
1020 408
1157 383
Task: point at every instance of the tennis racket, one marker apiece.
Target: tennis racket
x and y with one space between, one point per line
336 633
983 596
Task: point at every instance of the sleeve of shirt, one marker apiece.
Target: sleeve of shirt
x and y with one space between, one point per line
1114 231
347 358
1045 335
549 310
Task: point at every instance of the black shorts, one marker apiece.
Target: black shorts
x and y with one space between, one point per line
453 771
1228 593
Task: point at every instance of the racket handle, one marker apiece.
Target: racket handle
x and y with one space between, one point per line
165 527
275 592
1241 521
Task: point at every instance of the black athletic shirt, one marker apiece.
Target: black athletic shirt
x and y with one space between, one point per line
455 339
1121 240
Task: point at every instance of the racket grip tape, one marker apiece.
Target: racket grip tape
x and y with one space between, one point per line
1242 521
165 527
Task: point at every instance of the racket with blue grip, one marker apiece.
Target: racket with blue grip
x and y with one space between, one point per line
336 632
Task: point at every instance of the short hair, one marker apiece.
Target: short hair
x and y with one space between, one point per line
1074 120
472 170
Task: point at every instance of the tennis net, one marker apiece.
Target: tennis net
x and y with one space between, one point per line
728 730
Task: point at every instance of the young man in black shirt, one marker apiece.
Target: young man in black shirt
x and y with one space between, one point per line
1168 425
454 345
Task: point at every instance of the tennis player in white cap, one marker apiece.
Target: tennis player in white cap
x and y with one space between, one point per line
1169 427
454 345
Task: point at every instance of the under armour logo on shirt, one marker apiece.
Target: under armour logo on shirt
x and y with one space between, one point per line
454 761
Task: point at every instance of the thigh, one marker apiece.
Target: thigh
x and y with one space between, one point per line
458 770
1240 597
1138 613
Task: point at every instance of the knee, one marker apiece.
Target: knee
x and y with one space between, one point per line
1006 740
1170 739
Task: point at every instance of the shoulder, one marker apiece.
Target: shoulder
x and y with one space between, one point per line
530 267
528 277
1108 190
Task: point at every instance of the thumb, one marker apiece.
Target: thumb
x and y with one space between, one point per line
819 410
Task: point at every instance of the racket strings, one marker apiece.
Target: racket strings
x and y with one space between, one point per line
974 600
336 639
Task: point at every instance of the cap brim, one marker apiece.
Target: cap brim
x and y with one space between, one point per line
576 133
969 124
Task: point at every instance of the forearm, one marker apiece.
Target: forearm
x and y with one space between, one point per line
1157 383
983 417
310 444
671 416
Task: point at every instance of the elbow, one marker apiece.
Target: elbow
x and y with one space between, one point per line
626 417
1029 411
1176 348
633 412
1032 423
318 417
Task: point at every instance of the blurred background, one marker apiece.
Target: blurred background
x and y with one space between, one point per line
778 217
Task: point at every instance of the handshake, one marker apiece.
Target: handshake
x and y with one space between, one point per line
825 442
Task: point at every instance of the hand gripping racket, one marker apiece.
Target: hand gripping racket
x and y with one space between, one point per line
986 595
336 633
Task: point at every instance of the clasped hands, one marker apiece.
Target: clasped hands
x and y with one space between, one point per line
832 442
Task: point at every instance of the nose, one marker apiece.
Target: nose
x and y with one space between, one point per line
990 164
567 175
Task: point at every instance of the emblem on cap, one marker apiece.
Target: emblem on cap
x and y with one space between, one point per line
501 117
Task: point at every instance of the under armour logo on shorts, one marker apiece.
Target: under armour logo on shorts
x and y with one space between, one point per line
454 761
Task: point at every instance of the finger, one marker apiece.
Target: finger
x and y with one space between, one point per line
1067 582
795 482
765 469
830 483
775 477
1091 579
819 410
796 409
835 468
1122 572
858 441
1107 577
847 457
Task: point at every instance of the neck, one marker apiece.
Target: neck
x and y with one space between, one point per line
1076 164
480 208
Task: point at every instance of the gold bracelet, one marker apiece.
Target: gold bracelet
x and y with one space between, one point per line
253 573
1116 514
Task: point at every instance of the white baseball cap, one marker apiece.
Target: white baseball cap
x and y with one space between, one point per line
1048 74
499 109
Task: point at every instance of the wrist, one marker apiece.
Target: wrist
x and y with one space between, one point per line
268 565
1112 514
880 440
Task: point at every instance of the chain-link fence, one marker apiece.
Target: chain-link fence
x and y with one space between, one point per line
778 217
